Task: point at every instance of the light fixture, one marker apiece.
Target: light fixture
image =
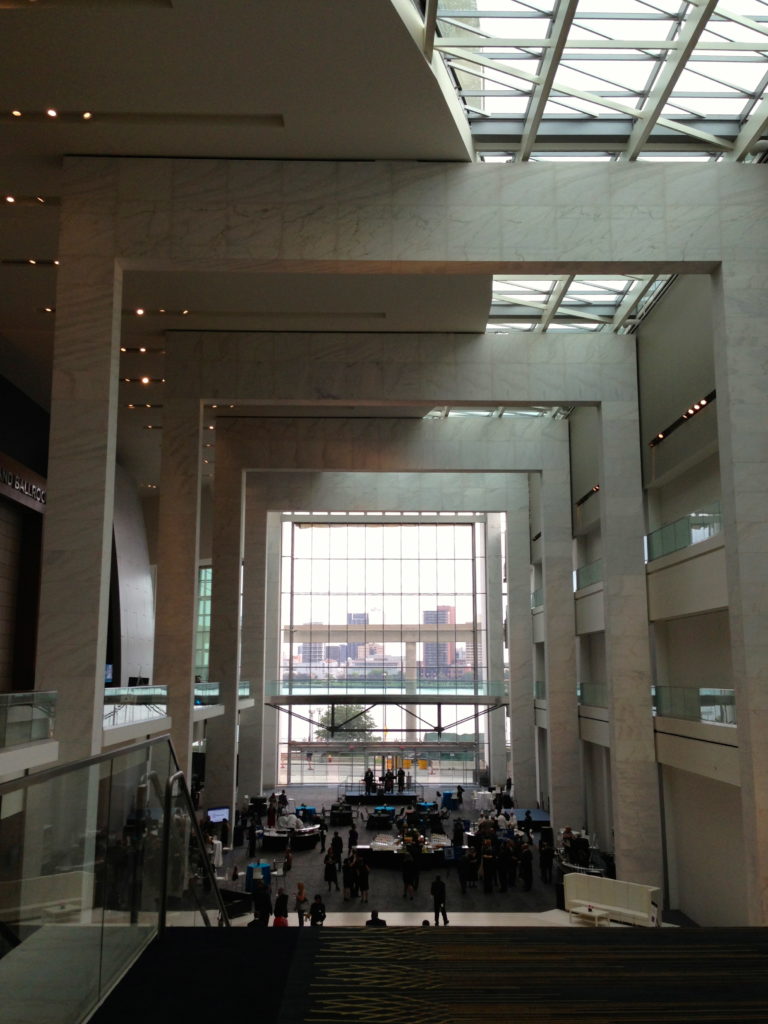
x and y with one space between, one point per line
16 113
123 348
87 115
48 309
211 427
142 349
51 112
139 312
145 380
692 409
10 199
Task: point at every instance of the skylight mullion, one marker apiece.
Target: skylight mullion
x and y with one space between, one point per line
558 292
751 132
631 299
560 27
672 69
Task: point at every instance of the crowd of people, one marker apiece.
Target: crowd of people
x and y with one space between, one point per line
498 852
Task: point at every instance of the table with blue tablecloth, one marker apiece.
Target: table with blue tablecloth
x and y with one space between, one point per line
449 800
266 872
305 813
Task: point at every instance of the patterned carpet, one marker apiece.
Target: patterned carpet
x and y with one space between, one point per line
449 976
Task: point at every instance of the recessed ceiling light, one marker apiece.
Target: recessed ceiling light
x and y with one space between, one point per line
184 312
40 199
131 405
33 262
145 380
16 113
87 115
48 309
139 312
51 112
211 427
123 348
142 349
56 263
10 199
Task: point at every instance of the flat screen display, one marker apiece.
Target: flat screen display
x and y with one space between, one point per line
218 813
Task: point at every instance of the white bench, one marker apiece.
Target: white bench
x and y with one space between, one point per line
45 896
627 902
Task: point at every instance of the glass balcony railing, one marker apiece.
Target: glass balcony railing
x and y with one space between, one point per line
537 598
409 690
98 855
26 717
593 694
125 705
682 533
588 574
539 689
695 704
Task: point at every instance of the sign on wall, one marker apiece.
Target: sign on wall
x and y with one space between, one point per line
20 484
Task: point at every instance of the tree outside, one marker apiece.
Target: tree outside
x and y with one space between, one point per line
344 712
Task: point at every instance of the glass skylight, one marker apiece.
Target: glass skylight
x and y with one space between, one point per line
615 78
580 302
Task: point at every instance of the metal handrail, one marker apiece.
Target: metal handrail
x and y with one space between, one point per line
178 776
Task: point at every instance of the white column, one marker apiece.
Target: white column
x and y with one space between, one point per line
520 644
177 565
497 754
272 646
221 734
563 743
634 775
77 540
742 399
251 745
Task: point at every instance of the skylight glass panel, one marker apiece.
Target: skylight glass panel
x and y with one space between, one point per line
615 53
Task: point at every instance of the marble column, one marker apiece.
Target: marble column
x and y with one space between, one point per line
563 743
739 317
251 743
177 566
227 555
520 646
634 775
77 541
497 741
272 646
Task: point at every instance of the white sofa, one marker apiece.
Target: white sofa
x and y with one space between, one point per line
627 902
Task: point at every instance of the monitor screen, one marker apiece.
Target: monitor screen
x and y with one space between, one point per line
218 813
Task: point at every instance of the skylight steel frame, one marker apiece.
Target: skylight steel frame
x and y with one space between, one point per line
705 38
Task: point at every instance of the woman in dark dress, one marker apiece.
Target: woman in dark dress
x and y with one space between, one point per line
329 873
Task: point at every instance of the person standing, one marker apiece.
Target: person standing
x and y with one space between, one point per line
363 873
323 834
352 839
438 898
281 909
262 903
337 847
546 860
459 795
330 871
526 867
400 780
301 903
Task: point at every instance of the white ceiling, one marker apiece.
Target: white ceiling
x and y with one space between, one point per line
308 79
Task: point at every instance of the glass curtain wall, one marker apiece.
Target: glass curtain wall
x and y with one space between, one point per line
377 604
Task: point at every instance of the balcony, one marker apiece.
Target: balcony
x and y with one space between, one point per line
684 532
26 717
695 704
593 694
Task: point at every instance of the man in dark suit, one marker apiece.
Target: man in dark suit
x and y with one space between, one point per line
375 921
